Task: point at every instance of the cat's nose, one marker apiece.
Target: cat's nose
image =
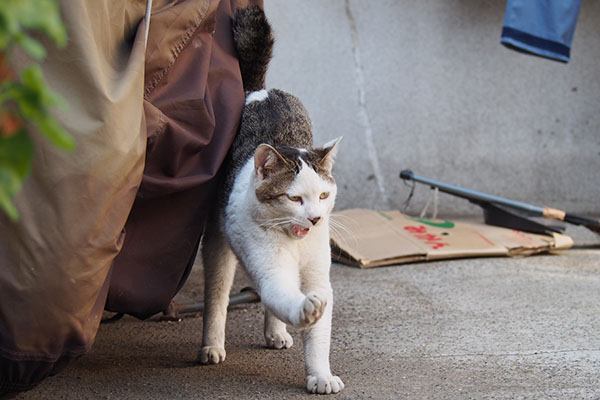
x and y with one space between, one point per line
314 220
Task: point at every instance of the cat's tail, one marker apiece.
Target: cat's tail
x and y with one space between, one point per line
254 45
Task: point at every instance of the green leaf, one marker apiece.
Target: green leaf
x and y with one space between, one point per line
56 134
53 25
33 78
4 37
7 205
34 103
31 96
16 155
9 22
32 47
19 16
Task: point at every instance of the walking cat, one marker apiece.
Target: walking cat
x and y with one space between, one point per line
273 217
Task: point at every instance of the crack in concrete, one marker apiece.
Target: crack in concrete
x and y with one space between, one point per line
362 108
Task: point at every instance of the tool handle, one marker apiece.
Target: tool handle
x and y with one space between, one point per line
568 217
579 220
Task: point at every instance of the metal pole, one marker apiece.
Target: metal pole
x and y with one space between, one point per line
471 194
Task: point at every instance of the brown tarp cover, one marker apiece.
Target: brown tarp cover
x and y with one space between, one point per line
116 223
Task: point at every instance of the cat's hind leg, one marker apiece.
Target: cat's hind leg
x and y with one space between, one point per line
276 334
219 264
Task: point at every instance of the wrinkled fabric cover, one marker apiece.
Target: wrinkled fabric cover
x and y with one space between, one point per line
122 215
202 88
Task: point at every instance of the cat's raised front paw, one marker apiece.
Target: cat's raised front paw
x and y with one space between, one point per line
312 309
211 355
327 384
279 340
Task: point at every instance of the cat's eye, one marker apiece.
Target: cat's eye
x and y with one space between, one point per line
324 195
296 199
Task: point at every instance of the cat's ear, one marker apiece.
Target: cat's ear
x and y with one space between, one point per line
331 149
267 160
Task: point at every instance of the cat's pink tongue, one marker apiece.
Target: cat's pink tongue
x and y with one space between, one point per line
300 231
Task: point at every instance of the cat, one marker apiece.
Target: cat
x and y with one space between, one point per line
273 216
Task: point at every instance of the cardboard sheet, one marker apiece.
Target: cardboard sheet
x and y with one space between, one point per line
369 238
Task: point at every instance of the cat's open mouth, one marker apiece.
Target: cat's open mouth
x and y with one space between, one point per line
300 231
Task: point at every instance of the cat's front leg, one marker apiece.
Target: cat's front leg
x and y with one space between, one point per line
279 290
317 338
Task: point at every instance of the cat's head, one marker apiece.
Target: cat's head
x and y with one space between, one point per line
294 187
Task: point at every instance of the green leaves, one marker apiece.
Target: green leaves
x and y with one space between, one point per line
19 16
16 154
26 98
34 100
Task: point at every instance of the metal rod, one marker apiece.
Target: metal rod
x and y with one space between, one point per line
547 212
246 296
471 194
147 20
174 311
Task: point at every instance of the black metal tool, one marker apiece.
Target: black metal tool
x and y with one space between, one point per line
509 213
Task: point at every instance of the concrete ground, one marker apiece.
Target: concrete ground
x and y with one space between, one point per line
503 328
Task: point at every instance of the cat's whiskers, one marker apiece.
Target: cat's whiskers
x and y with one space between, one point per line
339 227
341 231
342 222
277 222
274 221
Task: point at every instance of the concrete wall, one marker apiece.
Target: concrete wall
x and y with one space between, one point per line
426 85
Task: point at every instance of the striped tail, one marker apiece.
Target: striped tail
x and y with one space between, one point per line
254 45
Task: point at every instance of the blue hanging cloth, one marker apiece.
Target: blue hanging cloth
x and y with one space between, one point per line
541 27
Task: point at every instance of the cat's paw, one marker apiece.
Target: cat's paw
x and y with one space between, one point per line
312 309
279 340
211 355
324 384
